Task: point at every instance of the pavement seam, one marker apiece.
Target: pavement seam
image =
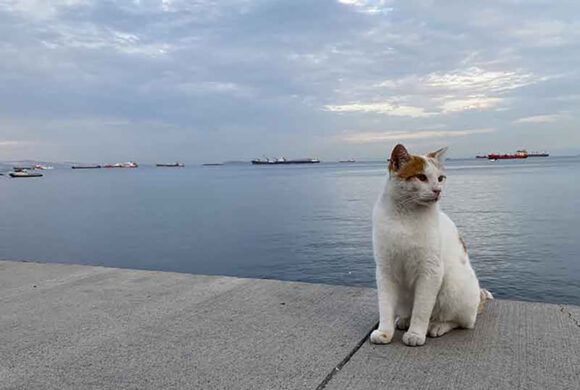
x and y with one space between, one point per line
344 361
565 311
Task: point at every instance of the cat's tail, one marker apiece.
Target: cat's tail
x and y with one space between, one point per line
484 295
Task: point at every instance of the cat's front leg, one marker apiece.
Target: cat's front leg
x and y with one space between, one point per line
426 290
387 301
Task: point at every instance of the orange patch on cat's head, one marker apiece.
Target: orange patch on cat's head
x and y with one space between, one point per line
404 165
414 166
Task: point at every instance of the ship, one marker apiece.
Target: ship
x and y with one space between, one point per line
171 165
518 155
86 167
129 164
539 154
42 167
350 160
283 160
24 173
481 156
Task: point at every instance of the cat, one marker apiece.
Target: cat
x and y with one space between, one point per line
424 278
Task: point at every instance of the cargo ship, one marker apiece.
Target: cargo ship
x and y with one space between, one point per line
129 164
518 155
86 167
171 165
283 160
539 154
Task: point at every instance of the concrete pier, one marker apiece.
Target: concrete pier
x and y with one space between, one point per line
81 327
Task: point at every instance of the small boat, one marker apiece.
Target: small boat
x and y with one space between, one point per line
171 165
86 167
129 164
42 167
20 169
481 156
283 160
24 173
539 154
347 161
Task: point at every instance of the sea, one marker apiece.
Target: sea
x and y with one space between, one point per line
309 223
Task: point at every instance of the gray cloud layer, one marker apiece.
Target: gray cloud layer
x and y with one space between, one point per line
218 80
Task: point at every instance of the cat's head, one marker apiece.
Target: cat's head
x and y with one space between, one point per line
416 180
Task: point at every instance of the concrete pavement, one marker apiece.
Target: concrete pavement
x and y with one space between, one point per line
82 327
515 345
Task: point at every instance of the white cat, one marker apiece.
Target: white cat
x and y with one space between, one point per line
424 279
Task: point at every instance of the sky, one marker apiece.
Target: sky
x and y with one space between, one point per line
218 80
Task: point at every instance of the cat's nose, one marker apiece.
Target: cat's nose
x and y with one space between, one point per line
437 191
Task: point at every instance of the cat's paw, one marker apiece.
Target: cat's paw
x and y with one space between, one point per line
437 329
403 323
413 339
380 337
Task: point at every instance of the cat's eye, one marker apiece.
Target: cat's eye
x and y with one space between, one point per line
422 177
441 178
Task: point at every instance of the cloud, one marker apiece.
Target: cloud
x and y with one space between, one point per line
386 108
470 103
439 93
369 6
475 79
406 135
436 106
212 87
93 37
547 33
8 144
42 9
539 119
243 77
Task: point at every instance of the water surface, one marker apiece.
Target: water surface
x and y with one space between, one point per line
308 223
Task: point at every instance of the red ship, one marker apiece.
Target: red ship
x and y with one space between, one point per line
519 154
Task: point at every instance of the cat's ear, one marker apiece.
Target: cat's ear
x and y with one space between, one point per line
399 156
438 155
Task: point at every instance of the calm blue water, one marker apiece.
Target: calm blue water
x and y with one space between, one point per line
307 223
